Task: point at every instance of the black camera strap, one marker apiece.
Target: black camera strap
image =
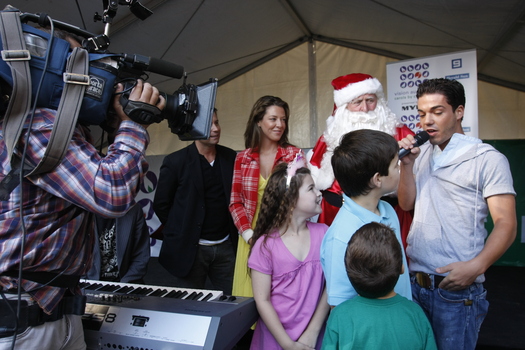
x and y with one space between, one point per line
31 315
76 79
46 278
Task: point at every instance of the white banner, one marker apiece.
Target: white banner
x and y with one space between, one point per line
403 78
145 199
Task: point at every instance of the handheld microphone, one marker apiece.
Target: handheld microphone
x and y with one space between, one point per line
421 137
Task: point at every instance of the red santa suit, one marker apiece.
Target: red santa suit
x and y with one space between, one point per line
342 121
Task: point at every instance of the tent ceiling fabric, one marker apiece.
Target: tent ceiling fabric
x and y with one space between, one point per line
224 38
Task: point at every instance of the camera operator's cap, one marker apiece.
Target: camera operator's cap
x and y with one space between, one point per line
350 86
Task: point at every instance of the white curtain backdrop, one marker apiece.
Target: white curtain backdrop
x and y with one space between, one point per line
501 110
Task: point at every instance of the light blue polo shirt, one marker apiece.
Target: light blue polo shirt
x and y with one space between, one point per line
348 220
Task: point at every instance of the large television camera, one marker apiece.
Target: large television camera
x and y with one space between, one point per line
188 111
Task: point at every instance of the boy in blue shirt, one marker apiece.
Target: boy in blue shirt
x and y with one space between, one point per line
366 166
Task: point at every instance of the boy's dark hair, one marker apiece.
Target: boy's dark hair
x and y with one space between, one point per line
452 90
360 155
373 260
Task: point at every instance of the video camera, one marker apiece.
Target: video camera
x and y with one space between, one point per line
188 111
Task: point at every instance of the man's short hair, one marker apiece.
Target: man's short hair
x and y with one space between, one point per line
374 260
453 91
361 154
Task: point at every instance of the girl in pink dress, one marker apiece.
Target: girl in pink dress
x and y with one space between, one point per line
287 278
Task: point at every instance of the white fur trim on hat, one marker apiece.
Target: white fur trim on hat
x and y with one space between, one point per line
352 91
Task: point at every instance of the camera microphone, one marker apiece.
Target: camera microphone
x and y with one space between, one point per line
421 137
166 68
154 65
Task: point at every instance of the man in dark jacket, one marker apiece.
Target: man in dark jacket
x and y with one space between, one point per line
122 248
191 202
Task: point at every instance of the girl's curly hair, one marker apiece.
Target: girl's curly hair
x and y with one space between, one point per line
278 202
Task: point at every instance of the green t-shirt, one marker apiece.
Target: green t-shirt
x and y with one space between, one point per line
394 323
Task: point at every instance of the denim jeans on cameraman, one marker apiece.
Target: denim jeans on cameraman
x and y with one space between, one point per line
215 262
66 333
455 323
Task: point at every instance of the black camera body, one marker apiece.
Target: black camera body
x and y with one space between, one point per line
189 110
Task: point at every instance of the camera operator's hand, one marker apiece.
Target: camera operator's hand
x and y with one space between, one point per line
143 92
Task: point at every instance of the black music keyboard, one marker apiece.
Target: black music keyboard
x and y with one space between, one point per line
133 316
100 288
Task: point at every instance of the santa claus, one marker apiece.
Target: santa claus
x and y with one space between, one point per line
359 103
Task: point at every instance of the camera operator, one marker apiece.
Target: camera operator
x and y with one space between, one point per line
56 208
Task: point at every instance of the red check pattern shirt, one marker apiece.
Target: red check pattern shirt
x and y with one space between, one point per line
243 202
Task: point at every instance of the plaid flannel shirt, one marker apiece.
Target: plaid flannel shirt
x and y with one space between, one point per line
243 201
57 205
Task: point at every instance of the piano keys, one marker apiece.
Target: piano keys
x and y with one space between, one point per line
100 288
133 316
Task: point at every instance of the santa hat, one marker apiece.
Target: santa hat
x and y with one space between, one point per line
350 86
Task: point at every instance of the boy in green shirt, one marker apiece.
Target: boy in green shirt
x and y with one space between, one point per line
377 318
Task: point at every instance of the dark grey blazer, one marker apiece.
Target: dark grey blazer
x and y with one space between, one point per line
133 247
179 205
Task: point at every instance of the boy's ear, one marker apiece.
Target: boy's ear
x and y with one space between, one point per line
375 181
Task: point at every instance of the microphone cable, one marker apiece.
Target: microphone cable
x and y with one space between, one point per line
21 184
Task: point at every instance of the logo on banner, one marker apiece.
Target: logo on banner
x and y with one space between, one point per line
404 78
457 63
410 120
414 74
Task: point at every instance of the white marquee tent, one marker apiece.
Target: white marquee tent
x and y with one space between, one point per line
294 48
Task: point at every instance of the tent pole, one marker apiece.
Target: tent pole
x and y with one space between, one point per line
312 88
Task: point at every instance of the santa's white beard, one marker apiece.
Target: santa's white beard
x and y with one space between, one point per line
344 121
341 123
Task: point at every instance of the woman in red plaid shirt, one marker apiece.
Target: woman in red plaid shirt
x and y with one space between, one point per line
266 141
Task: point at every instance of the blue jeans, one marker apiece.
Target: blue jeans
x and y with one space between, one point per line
215 262
455 316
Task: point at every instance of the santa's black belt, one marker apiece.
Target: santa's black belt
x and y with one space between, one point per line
333 198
